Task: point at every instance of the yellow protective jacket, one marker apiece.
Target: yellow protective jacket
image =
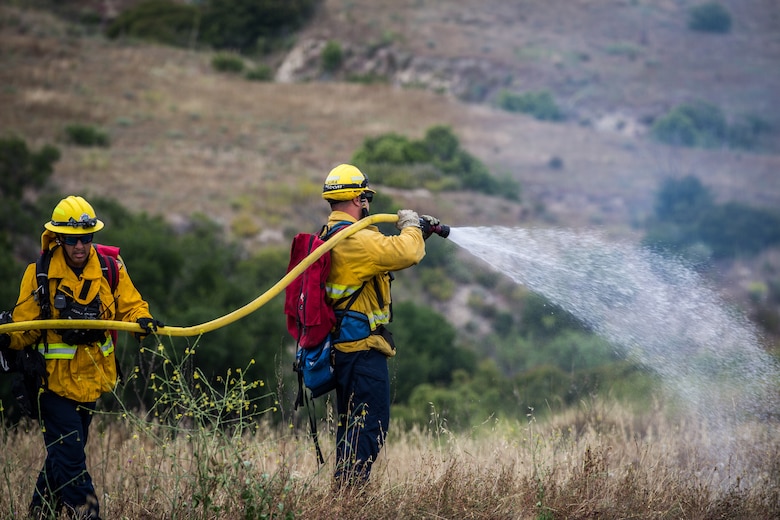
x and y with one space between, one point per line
85 374
361 257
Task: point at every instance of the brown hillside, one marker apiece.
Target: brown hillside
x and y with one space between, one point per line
252 155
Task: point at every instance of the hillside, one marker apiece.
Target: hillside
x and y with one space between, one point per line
252 155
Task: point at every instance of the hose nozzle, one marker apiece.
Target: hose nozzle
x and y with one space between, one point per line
442 230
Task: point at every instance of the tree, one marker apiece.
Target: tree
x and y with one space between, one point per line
682 200
426 349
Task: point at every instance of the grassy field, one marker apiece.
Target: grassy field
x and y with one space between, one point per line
599 461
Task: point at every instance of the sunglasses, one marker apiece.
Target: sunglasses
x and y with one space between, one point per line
72 240
367 196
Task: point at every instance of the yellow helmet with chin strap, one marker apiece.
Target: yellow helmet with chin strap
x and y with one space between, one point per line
345 182
73 216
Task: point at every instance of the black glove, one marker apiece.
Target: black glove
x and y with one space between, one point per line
149 325
5 341
426 224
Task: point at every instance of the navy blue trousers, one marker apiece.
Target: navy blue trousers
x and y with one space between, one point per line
64 480
363 404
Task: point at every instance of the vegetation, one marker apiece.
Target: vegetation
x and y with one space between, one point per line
242 25
687 221
702 124
332 56
540 105
21 169
710 17
436 162
597 460
161 21
87 135
260 72
227 62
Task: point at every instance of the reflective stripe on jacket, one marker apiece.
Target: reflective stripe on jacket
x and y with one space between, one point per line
84 372
65 351
360 258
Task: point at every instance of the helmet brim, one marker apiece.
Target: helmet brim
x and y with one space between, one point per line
74 230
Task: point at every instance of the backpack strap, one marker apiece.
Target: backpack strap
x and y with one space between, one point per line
43 295
326 232
109 265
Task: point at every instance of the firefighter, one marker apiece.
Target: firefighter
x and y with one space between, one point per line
364 263
80 365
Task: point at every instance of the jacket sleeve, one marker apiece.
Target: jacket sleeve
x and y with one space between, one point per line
391 253
130 303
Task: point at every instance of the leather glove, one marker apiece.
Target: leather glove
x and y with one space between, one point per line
149 325
406 218
426 223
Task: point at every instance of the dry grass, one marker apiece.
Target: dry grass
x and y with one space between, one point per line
600 462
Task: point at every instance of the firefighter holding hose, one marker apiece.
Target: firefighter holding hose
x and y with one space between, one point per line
75 367
362 266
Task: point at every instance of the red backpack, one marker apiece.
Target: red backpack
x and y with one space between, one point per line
309 315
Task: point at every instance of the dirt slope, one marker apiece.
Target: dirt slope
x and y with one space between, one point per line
252 155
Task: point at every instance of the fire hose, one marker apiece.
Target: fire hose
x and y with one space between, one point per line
196 330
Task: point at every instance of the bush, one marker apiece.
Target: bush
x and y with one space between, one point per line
245 24
20 167
162 21
331 56
734 229
87 135
436 162
260 73
540 105
688 222
692 124
227 62
709 17
682 200
746 132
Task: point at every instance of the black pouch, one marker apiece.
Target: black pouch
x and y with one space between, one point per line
72 310
385 333
31 377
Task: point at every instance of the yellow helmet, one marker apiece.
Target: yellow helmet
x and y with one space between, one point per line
345 182
73 216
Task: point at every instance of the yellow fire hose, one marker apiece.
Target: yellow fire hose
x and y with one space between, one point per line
217 323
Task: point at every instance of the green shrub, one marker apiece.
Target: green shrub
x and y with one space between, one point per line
734 229
692 124
162 21
540 105
227 62
687 222
246 24
682 201
674 129
436 162
747 131
21 167
332 56
261 72
709 17
87 135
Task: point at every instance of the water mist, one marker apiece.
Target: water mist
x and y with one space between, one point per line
655 311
